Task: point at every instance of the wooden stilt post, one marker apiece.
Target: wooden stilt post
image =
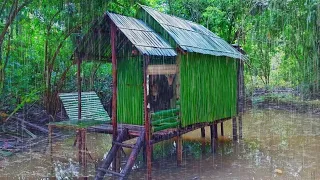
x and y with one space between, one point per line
79 140
222 131
50 138
84 149
240 125
234 128
147 119
50 130
78 133
179 150
79 86
113 35
240 96
203 132
216 131
203 135
144 152
212 138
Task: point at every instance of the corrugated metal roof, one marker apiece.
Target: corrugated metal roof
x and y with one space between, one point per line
193 37
141 36
95 45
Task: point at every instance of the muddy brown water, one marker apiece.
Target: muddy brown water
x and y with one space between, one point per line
276 145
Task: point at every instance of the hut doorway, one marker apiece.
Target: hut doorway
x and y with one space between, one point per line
161 92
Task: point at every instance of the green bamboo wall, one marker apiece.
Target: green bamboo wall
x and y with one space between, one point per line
208 88
130 90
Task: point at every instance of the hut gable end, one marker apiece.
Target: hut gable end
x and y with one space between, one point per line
95 45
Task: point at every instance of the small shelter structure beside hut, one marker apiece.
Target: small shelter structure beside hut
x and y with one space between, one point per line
170 76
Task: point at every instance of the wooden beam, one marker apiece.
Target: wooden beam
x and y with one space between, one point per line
177 78
133 155
162 69
161 137
110 156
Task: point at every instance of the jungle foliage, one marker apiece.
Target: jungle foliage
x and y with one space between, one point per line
280 37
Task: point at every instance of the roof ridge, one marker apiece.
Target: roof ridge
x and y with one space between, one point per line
188 21
164 13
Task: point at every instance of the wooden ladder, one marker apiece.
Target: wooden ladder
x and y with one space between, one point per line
116 145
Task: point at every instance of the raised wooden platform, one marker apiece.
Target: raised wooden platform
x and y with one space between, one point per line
134 130
158 136
126 132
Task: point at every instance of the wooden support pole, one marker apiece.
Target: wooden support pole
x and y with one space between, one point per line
113 42
79 86
240 97
179 150
240 125
78 135
234 128
212 138
222 130
147 123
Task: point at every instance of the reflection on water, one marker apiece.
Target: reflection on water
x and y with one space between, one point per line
276 145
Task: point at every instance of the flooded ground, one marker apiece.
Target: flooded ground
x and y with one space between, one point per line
276 145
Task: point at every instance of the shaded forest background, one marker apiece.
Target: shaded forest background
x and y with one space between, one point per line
280 37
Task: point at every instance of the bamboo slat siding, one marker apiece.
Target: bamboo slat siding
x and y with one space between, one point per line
208 88
130 91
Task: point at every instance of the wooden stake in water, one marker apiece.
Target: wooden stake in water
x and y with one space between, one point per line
222 131
212 133
203 135
179 150
234 128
